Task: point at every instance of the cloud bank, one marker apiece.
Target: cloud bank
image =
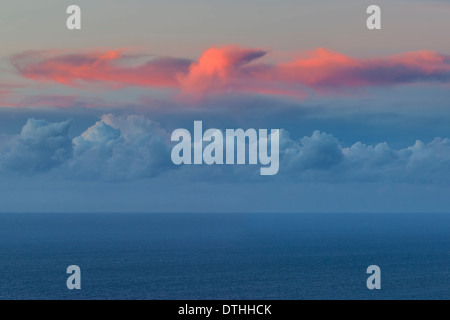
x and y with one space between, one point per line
115 148
124 148
321 157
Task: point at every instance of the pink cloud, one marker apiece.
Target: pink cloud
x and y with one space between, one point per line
107 67
233 69
325 69
219 70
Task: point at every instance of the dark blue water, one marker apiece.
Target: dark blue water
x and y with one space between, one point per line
224 256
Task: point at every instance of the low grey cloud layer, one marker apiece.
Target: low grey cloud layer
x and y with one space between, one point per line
124 148
321 157
40 146
120 148
115 148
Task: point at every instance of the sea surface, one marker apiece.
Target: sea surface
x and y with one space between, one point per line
225 256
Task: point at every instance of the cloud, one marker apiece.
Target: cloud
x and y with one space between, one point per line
108 67
236 70
325 69
321 157
121 148
40 146
320 151
113 149
124 148
219 70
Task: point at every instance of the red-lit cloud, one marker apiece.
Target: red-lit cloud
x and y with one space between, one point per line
232 69
108 67
219 70
322 68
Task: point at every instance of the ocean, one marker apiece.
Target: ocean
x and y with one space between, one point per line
225 256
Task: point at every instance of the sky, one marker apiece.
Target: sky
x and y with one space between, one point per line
86 116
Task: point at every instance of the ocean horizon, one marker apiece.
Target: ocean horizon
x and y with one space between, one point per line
225 256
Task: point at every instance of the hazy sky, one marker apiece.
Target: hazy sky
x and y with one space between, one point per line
86 116
185 28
